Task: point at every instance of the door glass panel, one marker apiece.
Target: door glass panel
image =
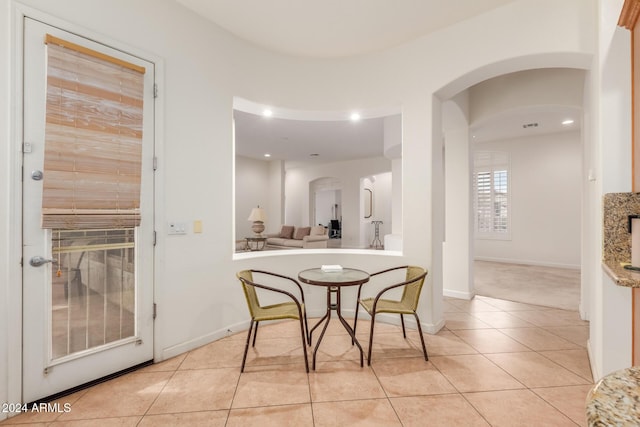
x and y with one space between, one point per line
93 294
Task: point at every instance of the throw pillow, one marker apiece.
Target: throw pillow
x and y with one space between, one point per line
286 232
318 230
301 232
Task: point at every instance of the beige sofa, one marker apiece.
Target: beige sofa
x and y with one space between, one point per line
291 237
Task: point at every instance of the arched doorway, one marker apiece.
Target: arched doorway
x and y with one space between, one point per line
459 248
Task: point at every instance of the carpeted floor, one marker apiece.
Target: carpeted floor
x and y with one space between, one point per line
546 286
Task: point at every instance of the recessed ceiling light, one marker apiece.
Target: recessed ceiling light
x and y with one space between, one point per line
567 122
267 155
355 116
267 113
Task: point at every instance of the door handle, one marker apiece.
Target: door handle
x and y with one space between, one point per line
37 261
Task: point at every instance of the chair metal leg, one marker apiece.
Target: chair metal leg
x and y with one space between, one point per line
304 344
255 334
246 346
355 322
424 347
404 332
306 329
373 321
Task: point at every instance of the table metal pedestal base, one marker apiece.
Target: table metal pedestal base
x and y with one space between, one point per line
327 317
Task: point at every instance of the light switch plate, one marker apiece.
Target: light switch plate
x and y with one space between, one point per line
175 227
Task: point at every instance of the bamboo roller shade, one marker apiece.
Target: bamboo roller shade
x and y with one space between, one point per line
93 139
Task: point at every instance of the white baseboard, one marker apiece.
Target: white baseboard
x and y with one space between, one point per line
458 294
584 315
433 328
178 349
183 347
528 262
594 370
409 322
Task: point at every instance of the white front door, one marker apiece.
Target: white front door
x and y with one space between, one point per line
88 294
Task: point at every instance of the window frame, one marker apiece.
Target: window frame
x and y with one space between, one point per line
491 163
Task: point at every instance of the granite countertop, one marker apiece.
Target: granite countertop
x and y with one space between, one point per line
616 237
620 275
615 399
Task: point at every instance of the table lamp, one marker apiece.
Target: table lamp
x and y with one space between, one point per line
258 217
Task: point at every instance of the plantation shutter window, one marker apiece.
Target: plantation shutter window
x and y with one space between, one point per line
491 194
484 220
93 139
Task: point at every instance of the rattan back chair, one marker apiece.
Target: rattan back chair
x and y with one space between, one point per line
407 304
294 309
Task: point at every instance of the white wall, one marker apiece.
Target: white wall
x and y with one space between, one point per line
393 151
252 189
349 175
203 68
255 186
382 201
275 209
609 163
325 206
546 190
457 265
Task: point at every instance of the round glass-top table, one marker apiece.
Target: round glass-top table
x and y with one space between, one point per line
333 281
344 277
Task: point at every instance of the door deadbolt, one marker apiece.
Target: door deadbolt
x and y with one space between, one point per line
36 175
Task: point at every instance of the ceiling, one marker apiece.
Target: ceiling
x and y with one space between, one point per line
533 120
327 141
335 28
339 28
297 141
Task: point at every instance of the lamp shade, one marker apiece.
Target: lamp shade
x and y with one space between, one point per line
257 214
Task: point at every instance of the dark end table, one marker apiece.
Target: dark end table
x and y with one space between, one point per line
255 243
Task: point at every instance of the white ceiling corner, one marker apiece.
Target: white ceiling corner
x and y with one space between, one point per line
335 28
339 28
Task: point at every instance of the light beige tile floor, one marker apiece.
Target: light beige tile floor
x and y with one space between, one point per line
496 363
